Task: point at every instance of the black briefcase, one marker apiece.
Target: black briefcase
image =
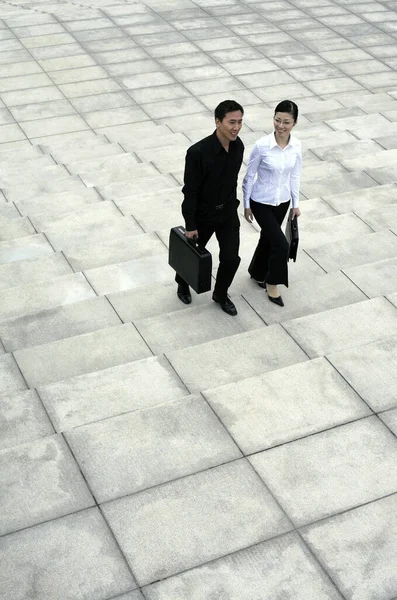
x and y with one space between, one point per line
292 235
192 263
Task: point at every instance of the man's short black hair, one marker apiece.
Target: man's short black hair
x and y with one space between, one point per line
225 107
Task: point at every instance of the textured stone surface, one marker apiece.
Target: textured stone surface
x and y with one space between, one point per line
203 516
23 419
131 452
79 548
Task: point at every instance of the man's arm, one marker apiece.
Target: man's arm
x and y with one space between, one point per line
191 189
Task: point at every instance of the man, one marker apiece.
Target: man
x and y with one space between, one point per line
210 201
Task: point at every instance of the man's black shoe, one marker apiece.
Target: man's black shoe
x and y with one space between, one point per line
183 294
226 305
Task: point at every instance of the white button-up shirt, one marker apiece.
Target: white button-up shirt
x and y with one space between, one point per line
273 173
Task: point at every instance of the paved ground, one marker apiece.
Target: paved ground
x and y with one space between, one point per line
162 452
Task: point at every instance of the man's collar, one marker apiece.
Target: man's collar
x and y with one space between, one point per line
217 144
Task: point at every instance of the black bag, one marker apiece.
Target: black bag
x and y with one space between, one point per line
192 263
292 235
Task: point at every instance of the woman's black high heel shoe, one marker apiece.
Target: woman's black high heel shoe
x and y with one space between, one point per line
278 300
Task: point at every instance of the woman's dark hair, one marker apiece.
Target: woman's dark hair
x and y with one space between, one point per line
287 106
225 107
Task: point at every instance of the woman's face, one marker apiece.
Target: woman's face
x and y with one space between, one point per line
283 123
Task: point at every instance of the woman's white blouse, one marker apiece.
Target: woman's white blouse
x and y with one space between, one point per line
273 174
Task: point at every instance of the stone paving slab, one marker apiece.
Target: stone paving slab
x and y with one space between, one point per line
110 392
31 298
303 474
354 252
55 484
375 279
81 354
195 325
228 505
79 548
26 248
150 447
377 219
271 569
23 272
326 332
307 297
17 228
368 199
23 419
45 208
314 398
370 371
347 543
241 355
66 321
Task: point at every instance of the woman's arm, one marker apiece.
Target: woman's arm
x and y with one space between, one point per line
295 179
252 169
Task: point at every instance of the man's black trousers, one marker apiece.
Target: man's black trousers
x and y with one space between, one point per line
270 260
227 231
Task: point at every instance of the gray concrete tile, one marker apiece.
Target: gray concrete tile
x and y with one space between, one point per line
271 569
61 547
81 354
214 86
124 168
362 67
375 279
142 80
15 228
117 56
110 392
242 355
272 93
306 297
355 251
93 255
335 84
314 398
159 93
326 332
45 186
29 247
10 133
344 152
8 210
360 122
369 199
67 62
23 419
11 380
107 33
78 74
130 596
24 272
88 88
42 110
389 418
346 544
256 80
312 468
234 510
31 298
111 100
54 39
50 207
23 97
150 447
341 227
55 484
53 126
129 274
369 369
196 325
14 56
312 73
135 67
57 323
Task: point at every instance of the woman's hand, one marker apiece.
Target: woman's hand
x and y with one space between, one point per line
248 215
295 213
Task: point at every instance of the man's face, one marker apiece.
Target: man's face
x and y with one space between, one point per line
230 126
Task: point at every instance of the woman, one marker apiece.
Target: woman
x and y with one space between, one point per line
271 181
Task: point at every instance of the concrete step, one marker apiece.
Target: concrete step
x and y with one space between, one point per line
380 218
48 207
129 274
356 251
235 357
57 323
345 327
34 177
372 121
24 272
176 150
28 420
11 380
90 214
34 164
338 228
383 174
81 354
166 215
23 192
25 248
306 297
8 210
15 228
385 158
91 255
375 279
195 325
322 171
122 170
19 155
120 189
368 198
111 391
135 131
347 151
74 144
103 163
68 156
342 182
138 144
31 298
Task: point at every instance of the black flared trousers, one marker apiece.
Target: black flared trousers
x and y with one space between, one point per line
270 260
227 232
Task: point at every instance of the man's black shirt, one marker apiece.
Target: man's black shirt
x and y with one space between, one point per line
210 180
